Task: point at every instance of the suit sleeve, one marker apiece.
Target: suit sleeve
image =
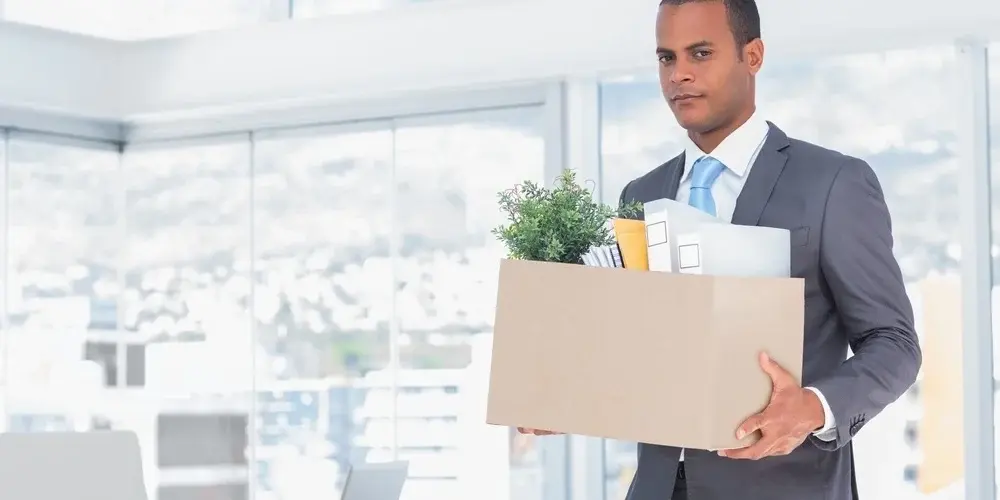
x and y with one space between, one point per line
874 311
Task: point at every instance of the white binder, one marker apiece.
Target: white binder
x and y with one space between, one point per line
665 220
683 239
734 250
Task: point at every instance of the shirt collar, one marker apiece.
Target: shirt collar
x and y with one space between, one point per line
735 151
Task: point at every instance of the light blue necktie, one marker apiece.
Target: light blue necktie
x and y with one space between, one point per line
704 173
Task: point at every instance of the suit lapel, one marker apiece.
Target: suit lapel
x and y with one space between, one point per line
762 178
674 171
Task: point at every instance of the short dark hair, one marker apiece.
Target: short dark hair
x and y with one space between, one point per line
744 20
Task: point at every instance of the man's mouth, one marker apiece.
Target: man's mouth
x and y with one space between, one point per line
684 97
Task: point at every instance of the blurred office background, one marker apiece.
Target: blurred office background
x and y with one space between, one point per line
257 232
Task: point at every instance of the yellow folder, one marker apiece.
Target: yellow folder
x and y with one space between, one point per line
631 236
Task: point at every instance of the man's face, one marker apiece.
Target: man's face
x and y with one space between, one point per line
706 79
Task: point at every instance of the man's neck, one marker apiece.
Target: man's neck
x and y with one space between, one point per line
710 140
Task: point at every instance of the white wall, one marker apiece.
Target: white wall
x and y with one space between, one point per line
61 73
436 46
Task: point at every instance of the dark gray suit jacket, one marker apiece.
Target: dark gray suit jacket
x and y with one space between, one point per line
841 241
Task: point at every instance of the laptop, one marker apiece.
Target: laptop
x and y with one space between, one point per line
101 465
378 481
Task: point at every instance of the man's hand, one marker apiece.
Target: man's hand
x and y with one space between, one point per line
789 418
537 432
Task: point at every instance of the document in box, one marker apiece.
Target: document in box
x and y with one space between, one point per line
665 220
608 255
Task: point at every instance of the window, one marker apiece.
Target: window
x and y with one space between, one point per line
186 300
63 244
448 173
862 105
282 304
127 302
322 304
339 214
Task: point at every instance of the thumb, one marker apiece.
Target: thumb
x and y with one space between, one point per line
779 376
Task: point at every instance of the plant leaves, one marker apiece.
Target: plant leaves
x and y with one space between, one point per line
555 225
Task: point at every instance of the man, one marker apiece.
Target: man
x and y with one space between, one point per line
743 169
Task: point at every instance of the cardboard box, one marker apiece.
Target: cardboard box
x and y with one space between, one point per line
661 358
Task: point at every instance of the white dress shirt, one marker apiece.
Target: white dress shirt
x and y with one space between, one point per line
738 152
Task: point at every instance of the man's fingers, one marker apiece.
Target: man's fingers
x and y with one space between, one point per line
757 450
535 432
526 430
751 425
752 452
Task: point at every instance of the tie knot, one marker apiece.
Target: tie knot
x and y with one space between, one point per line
705 171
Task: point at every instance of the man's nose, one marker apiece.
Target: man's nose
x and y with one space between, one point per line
680 72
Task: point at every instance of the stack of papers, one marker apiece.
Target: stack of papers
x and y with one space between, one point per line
628 249
606 256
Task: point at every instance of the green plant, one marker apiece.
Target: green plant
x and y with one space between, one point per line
556 225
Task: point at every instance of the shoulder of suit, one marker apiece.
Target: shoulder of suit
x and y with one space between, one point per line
656 176
816 156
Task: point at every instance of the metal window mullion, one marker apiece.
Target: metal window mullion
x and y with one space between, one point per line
394 326
4 276
252 426
121 268
976 270
581 144
553 451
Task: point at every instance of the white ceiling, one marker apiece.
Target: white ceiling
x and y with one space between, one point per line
425 47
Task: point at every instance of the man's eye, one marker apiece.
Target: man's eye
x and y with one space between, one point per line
665 59
702 54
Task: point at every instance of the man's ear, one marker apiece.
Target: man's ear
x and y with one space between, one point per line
753 54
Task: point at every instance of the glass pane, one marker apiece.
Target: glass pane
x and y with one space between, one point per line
186 302
861 105
64 242
137 19
448 174
323 303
